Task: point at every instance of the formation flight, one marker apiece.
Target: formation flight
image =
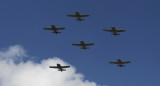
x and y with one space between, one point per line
120 63
78 16
114 31
60 67
83 45
54 29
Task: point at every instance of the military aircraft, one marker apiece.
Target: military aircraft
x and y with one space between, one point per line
120 63
114 31
77 14
83 45
54 29
60 67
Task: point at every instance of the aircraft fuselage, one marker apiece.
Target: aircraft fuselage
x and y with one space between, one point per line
60 67
54 29
114 31
83 45
78 16
120 63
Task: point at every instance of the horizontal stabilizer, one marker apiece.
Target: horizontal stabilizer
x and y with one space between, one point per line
85 48
56 32
80 19
62 70
121 65
115 34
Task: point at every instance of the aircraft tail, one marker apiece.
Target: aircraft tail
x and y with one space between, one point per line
56 32
121 65
115 34
62 70
80 19
85 48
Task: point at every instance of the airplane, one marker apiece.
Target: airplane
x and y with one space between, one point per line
54 29
114 31
120 63
83 45
77 14
60 67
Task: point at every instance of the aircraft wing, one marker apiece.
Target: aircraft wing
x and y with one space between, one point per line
84 15
72 15
120 30
53 67
47 28
77 44
126 62
89 44
61 28
113 62
107 30
65 66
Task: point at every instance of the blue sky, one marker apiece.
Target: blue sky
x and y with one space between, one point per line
22 22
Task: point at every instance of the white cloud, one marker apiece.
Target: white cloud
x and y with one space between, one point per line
36 74
13 53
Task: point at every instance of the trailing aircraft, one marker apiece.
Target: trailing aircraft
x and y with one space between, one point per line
78 16
114 31
60 67
83 45
54 29
120 63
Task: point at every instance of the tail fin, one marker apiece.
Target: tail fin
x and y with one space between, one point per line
85 48
56 32
80 19
62 70
121 65
115 34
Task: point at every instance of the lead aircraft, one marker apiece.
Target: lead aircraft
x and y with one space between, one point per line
60 67
83 45
54 29
78 16
120 63
114 31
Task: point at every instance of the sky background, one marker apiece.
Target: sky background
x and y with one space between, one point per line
22 23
